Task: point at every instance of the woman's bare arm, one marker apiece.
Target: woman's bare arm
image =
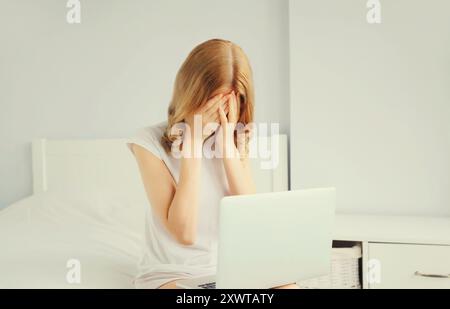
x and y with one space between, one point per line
239 176
175 205
237 169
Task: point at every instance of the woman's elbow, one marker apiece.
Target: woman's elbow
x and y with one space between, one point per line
183 235
185 238
246 191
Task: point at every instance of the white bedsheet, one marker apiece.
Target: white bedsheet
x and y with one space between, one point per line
39 234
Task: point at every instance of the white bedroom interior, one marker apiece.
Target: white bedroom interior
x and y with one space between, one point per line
362 107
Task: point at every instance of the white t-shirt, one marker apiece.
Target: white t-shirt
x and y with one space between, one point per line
164 259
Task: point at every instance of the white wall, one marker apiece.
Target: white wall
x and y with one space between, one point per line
370 104
114 72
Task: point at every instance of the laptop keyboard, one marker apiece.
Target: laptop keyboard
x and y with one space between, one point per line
210 285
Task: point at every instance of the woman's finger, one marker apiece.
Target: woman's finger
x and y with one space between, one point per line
233 107
227 109
215 118
223 116
224 101
211 104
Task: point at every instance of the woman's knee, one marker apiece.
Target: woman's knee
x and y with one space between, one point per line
288 286
169 285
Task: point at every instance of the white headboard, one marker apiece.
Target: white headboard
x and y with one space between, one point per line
108 165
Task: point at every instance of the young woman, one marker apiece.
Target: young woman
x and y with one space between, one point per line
183 187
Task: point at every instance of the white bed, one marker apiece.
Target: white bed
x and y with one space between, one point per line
87 205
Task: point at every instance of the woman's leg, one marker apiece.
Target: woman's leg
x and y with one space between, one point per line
173 285
169 285
288 286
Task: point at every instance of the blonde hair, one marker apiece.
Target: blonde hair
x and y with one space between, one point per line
211 65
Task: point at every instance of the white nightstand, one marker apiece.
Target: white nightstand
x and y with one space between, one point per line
399 252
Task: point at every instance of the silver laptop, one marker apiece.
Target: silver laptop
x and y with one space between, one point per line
272 239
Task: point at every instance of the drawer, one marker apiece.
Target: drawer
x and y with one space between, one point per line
394 266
